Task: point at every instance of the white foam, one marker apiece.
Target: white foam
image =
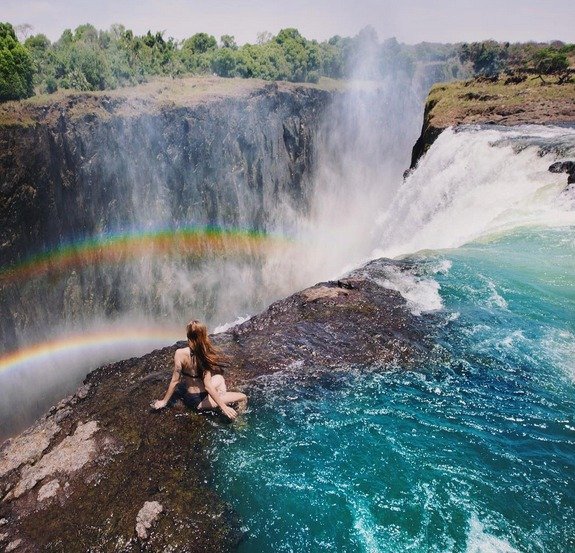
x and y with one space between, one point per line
559 345
494 299
479 541
227 326
365 527
421 294
443 267
465 188
510 340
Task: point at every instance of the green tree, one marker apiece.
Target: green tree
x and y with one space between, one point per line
224 62
37 43
302 55
486 58
16 66
549 61
200 43
228 41
86 33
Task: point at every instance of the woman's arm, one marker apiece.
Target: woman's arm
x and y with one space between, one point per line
176 376
210 388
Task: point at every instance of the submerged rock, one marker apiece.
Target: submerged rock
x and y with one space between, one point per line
113 463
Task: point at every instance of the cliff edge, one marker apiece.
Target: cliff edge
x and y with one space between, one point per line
103 472
493 101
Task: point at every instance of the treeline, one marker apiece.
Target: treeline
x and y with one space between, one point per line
89 59
490 58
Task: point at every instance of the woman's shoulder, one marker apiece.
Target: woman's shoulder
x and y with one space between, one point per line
182 352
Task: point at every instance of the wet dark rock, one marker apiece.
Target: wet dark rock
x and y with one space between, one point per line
564 167
82 487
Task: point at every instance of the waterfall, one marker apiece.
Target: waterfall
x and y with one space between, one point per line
476 182
111 295
211 214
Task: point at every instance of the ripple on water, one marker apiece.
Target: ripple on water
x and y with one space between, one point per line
472 452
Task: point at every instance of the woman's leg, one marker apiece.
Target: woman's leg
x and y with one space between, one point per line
219 383
228 397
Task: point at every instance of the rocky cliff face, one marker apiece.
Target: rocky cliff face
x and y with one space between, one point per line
493 101
102 472
197 153
87 164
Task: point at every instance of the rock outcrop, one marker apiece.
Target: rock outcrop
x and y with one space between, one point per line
101 466
567 166
493 101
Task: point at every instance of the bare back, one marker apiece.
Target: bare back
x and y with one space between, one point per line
185 363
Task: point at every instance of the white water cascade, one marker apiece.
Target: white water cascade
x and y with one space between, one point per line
475 182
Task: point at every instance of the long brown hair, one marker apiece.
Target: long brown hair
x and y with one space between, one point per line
208 358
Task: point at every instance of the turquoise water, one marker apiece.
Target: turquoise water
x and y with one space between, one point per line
474 451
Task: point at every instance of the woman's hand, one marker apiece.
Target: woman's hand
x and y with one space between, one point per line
158 404
229 412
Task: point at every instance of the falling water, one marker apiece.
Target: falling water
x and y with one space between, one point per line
160 255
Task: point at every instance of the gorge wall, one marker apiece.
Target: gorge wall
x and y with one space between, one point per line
72 160
194 153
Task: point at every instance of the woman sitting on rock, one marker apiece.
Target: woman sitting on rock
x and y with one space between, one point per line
197 377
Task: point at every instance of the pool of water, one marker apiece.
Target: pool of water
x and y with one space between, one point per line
473 451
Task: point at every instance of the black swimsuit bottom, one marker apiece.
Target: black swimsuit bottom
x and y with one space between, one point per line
190 400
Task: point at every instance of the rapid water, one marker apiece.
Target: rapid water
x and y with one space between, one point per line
475 450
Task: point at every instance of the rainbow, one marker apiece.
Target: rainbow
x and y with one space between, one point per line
98 342
185 242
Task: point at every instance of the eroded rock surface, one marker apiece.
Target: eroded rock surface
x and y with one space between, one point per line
113 463
28 447
67 457
146 518
48 490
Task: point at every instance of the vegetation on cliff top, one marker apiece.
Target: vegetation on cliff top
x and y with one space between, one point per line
150 97
16 69
88 59
498 100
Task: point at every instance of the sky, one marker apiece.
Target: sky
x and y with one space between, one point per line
410 21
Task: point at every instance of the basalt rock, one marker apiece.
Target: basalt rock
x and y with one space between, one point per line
237 154
89 163
84 483
564 167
